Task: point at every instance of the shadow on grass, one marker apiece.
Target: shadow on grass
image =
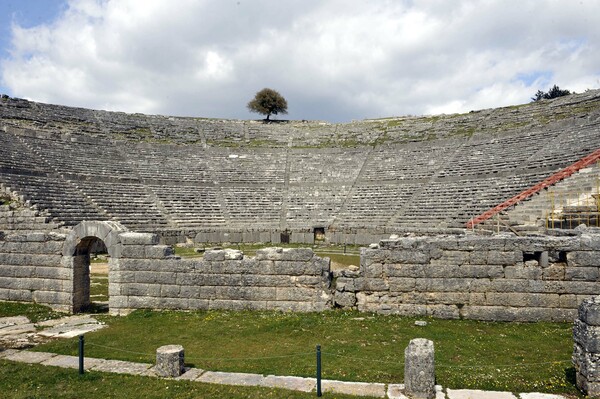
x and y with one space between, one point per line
570 376
96 308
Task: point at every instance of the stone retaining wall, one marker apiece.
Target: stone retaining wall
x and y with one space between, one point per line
504 277
147 275
501 277
31 268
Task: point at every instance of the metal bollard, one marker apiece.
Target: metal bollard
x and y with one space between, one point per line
81 342
319 393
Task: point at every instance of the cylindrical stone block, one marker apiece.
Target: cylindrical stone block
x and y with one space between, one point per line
169 361
419 369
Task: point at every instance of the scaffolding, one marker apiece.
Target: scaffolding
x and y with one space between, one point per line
569 209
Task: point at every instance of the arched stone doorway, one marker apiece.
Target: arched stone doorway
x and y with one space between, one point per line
76 256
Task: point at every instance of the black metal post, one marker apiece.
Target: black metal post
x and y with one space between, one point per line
319 393
81 354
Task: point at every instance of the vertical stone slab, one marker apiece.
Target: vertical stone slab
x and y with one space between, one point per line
169 361
419 369
586 349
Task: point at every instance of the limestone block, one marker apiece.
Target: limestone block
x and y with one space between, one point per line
583 258
582 273
285 254
170 361
555 271
373 270
36 237
590 242
504 257
132 238
157 251
443 311
589 311
523 272
408 256
586 363
344 299
374 284
405 270
419 369
588 337
201 238
133 251
401 284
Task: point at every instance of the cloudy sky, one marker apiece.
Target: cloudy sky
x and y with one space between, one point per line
334 60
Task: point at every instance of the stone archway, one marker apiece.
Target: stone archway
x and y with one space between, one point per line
76 256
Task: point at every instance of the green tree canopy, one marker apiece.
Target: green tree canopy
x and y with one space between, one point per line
554 92
267 102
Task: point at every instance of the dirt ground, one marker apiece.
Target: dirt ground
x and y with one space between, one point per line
99 268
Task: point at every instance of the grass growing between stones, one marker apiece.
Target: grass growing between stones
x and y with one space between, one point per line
356 346
34 312
21 381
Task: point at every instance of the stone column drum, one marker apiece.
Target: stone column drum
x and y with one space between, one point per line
586 349
419 369
169 361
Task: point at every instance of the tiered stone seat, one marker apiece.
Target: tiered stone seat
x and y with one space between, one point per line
314 205
253 206
190 206
406 162
326 166
172 163
129 203
61 200
371 206
157 172
93 159
239 166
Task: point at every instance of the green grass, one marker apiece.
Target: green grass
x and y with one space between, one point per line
27 381
356 346
34 312
98 288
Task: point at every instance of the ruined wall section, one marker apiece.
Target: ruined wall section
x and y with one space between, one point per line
31 268
503 278
148 275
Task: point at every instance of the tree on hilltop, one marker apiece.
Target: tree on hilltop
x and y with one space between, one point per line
554 92
267 102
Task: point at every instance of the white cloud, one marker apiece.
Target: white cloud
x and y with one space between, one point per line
333 60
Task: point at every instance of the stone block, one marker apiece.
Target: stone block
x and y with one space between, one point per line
583 258
158 251
587 336
582 273
504 257
523 272
401 284
169 361
344 299
419 369
133 251
132 238
589 311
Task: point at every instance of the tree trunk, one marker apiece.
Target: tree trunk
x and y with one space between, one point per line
269 114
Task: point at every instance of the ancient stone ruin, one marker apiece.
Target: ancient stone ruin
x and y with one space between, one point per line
486 210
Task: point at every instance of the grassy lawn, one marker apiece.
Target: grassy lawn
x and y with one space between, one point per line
356 346
98 287
34 312
24 381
